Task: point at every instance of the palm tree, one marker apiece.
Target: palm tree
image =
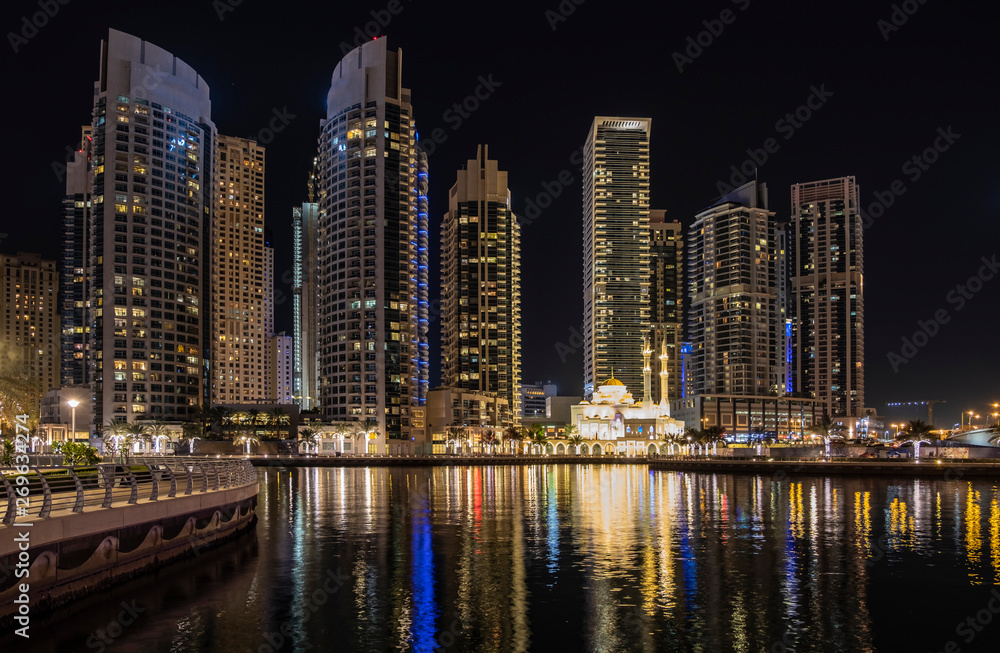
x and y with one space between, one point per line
225 418
693 436
825 429
253 417
310 437
488 437
158 432
115 431
917 432
672 440
247 439
569 431
576 440
539 437
135 433
368 428
713 435
277 416
192 432
513 434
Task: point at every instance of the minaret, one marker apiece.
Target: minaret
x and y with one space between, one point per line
664 374
647 373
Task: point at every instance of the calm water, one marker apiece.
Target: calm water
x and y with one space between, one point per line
567 558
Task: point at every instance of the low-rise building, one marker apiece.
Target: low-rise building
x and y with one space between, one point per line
463 421
743 416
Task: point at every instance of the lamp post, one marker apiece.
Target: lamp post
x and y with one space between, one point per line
73 403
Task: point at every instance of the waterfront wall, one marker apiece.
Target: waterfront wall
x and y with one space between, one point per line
71 553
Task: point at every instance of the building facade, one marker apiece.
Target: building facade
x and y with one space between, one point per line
613 422
279 366
30 319
615 249
736 320
480 283
827 294
373 249
533 396
304 329
746 416
471 416
152 199
239 296
74 282
666 301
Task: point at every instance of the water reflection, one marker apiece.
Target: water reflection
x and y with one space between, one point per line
558 557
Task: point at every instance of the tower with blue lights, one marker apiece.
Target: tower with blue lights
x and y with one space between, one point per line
372 252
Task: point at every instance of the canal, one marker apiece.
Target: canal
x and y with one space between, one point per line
571 558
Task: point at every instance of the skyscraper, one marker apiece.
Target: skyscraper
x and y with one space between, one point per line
736 320
29 318
615 250
152 199
372 253
304 301
481 284
828 294
666 305
74 282
240 294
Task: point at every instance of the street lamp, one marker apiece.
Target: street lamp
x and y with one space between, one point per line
73 403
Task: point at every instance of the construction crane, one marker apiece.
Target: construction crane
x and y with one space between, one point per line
929 403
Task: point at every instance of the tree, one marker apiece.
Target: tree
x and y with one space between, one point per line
576 440
917 432
672 440
78 453
539 437
310 437
277 416
192 432
247 439
513 434
7 453
114 434
826 430
693 435
368 427
488 437
135 433
713 435
158 433
569 431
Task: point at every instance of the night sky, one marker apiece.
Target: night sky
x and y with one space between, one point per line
888 89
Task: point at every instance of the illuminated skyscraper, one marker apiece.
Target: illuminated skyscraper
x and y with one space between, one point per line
74 282
372 252
304 301
29 318
736 321
615 250
152 198
481 285
666 305
240 296
828 294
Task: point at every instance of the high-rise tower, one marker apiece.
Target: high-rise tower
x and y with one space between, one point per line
736 320
666 301
152 199
615 250
828 294
240 293
372 254
74 282
304 333
481 285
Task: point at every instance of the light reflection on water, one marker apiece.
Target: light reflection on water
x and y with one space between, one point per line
564 557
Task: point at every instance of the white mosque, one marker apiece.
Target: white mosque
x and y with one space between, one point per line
614 423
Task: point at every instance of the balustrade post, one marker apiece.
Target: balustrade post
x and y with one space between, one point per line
11 512
78 506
